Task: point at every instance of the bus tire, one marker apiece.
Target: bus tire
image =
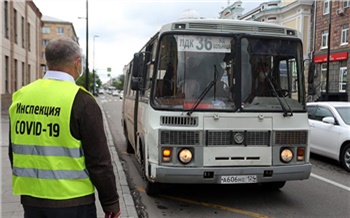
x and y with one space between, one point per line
129 148
152 189
274 185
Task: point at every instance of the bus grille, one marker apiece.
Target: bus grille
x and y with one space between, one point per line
179 137
178 121
271 30
228 138
228 27
290 138
237 28
206 26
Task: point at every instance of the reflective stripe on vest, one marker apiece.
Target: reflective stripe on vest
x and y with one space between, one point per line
47 151
50 174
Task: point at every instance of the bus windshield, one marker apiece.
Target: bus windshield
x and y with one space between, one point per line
196 72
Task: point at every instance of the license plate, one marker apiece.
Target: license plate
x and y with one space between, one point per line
238 179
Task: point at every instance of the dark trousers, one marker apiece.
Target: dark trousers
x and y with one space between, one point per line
84 211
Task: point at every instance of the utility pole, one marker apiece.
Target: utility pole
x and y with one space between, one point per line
93 68
87 47
328 49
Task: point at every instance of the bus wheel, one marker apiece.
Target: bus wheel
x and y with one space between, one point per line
151 189
274 185
129 148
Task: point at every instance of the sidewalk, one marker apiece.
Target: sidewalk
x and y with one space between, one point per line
10 204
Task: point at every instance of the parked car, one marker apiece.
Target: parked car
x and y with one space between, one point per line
115 93
330 130
121 94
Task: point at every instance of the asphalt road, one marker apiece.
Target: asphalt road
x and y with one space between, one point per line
325 194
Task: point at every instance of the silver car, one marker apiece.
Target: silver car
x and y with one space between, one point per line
330 130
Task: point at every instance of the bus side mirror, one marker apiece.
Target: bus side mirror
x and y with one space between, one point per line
311 73
137 69
136 83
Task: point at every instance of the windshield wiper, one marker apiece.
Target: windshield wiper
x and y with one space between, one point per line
205 91
286 112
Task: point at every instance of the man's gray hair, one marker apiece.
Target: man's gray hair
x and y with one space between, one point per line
60 52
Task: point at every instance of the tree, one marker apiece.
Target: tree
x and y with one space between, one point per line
121 79
81 81
119 82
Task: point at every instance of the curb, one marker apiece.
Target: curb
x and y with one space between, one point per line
126 202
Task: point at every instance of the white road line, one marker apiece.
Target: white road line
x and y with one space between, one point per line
331 182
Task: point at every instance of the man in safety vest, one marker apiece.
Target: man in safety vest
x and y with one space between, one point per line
58 148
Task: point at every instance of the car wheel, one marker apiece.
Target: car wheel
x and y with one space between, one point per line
345 157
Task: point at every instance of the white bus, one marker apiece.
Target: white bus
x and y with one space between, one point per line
194 111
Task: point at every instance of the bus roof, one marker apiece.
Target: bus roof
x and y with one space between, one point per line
230 26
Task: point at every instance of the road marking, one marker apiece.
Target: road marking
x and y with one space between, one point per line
330 182
234 210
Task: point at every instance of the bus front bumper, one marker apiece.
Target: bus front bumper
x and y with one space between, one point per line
214 175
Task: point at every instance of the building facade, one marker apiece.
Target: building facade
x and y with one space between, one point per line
331 37
24 35
53 28
20 46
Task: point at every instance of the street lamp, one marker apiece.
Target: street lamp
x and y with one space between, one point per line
93 68
87 47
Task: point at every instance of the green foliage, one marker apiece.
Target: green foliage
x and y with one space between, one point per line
81 81
119 82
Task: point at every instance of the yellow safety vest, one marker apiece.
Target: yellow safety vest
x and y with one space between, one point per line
48 162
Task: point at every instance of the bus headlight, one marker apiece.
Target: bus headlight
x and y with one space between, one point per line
185 156
286 155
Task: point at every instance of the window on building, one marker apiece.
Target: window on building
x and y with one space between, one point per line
326 7
28 36
324 43
46 30
6 19
23 74
16 74
346 3
323 77
15 25
344 35
343 79
28 74
45 42
43 55
60 30
22 31
7 70
43 69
